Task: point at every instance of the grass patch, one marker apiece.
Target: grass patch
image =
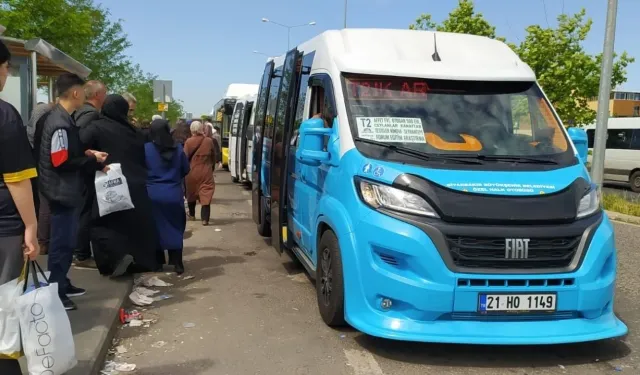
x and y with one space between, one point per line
616 203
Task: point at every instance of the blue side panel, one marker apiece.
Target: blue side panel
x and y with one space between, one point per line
428 303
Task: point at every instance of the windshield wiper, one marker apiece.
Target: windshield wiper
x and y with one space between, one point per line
515 159
418 154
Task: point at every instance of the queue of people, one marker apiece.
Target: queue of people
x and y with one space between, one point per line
48 200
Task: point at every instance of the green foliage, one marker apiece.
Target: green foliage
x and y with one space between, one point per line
83 30
77 27
142 88
462 19
568 74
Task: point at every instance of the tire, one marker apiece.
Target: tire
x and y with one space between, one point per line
330 281
634 181
264 228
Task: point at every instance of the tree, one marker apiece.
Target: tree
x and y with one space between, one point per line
462 19
142 89
567 73
84 31
78 28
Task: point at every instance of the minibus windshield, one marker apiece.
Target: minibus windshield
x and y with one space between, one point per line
490 121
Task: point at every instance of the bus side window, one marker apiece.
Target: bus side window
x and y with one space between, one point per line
322 99
635 143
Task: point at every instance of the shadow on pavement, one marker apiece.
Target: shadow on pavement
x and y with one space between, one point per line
480 356
196 367
221 222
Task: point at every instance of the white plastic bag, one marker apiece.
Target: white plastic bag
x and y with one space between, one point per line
47 339
112 191
10 341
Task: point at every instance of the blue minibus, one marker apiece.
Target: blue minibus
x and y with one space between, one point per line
430 189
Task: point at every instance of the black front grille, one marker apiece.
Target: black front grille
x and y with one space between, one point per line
489 252
474 316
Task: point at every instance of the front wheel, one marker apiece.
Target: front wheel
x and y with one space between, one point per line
330 281
634 181
264 228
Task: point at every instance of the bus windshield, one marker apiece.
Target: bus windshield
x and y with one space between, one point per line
469 119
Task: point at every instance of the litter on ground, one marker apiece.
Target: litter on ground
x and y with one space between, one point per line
145 292
162 297
150 281
115 368
136 323
140 300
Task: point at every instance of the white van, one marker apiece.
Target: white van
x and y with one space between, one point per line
241 139
622 159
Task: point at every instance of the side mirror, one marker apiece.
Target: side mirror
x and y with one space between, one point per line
311 143
579 138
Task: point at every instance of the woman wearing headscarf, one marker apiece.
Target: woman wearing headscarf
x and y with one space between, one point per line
181 132
200 151
125 237
167 166
211 133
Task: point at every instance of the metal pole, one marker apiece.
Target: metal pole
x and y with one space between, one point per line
164 116
345 14
52 94
599 147
34 82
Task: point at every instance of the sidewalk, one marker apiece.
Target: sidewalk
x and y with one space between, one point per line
623 218
95 322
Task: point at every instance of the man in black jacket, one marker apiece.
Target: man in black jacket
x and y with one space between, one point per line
95 94
63 164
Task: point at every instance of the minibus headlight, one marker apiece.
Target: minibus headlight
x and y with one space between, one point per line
589 204
382 196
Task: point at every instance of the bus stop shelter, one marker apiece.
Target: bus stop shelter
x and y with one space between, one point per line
33 60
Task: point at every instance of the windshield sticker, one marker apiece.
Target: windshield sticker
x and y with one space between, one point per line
494 187
379 171
391 129
367 168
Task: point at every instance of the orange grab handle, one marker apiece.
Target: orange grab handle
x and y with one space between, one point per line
470 143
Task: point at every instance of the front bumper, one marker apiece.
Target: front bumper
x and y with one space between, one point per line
431 303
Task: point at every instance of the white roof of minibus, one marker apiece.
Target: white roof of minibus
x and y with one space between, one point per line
237 90
620 123
409 53
248 98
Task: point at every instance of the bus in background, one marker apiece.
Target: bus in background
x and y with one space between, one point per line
622 159
223 110
432 192
241 139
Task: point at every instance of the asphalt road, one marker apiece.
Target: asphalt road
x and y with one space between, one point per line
250 311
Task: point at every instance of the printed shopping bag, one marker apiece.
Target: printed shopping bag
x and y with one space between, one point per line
10 341
112 191
47 339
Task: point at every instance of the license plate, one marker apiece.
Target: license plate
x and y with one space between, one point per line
516 302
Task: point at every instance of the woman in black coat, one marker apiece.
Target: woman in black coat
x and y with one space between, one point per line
125 237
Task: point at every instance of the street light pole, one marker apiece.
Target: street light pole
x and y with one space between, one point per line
266 20
600 141
345 13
